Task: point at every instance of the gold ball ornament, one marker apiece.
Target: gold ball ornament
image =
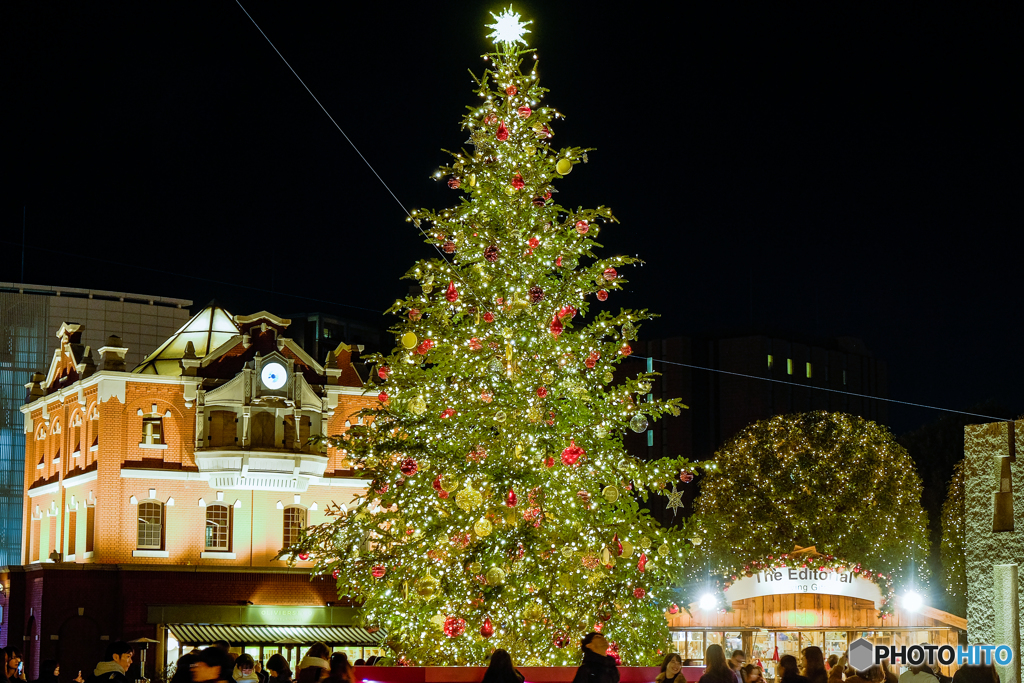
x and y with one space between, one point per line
469 498
483 527
474 568
438 622
427 586
449 483
409 340
563 167
696 540
533 612
500 416
495 576
610 493
566 552
608 377
663 550
417 406
627 549
533 414
645 542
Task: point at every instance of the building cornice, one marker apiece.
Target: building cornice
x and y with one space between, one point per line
97 378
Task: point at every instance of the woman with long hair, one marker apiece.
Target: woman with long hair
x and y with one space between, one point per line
789 671
814 665
341 670
501 669
671 669
716 669
315 666
279 670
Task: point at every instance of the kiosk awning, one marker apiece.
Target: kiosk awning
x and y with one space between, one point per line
205 634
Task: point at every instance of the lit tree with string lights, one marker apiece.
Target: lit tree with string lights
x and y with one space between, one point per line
502 509
830 480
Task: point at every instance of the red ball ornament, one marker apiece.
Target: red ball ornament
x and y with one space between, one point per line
602 295
639 593
336 573
451 294
560 640
591 361
454 183
486 396
303 556
379 571
617 544
382 397
558 261
488 317
491 253
383 371
409 467
625 350
609 274
567 311
517 182
582 227
673 609
524 111
491 118
511 90
454 627
511 499
447 412
414 314
536 294
502 133
549 461
542 392
487 630
556 326
533 242
572 453
448 247
474 344
424 347
641 566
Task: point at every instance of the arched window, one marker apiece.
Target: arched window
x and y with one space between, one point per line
294 523
151 526
218 528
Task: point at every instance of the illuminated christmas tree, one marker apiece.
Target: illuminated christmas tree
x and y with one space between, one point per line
834 481
502 509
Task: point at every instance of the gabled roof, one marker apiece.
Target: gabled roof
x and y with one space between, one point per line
207 330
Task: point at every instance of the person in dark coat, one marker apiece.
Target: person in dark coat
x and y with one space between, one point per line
597 667
501 669
213 665
113 669
716 670
279 670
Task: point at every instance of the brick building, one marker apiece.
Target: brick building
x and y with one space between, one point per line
157 499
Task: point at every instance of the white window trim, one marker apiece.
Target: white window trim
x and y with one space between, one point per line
93 449
88 554
216 555
157 446
150 553
69 558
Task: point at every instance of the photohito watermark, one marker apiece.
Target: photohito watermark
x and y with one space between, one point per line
863 655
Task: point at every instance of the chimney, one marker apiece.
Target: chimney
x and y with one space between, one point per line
112 355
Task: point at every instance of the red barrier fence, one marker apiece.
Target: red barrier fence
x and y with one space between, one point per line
473 674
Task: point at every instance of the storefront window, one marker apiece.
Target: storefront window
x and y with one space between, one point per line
788 643
835 643
733 641
815 638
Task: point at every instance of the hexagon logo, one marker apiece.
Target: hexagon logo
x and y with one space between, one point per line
862 654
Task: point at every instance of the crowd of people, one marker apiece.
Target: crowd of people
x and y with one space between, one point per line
217 664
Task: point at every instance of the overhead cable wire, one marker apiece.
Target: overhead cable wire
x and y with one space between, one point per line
415 221
808 386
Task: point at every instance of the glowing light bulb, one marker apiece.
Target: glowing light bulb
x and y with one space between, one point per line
708 602
508 28
912 601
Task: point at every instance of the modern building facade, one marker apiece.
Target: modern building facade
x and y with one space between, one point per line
748 378
29 316
159 498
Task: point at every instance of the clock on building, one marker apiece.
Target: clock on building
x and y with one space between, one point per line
273 375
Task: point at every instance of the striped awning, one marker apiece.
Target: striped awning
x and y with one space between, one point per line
206 634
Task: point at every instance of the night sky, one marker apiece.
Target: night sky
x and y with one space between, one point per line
814 170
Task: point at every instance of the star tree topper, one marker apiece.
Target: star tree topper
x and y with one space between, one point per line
508 28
